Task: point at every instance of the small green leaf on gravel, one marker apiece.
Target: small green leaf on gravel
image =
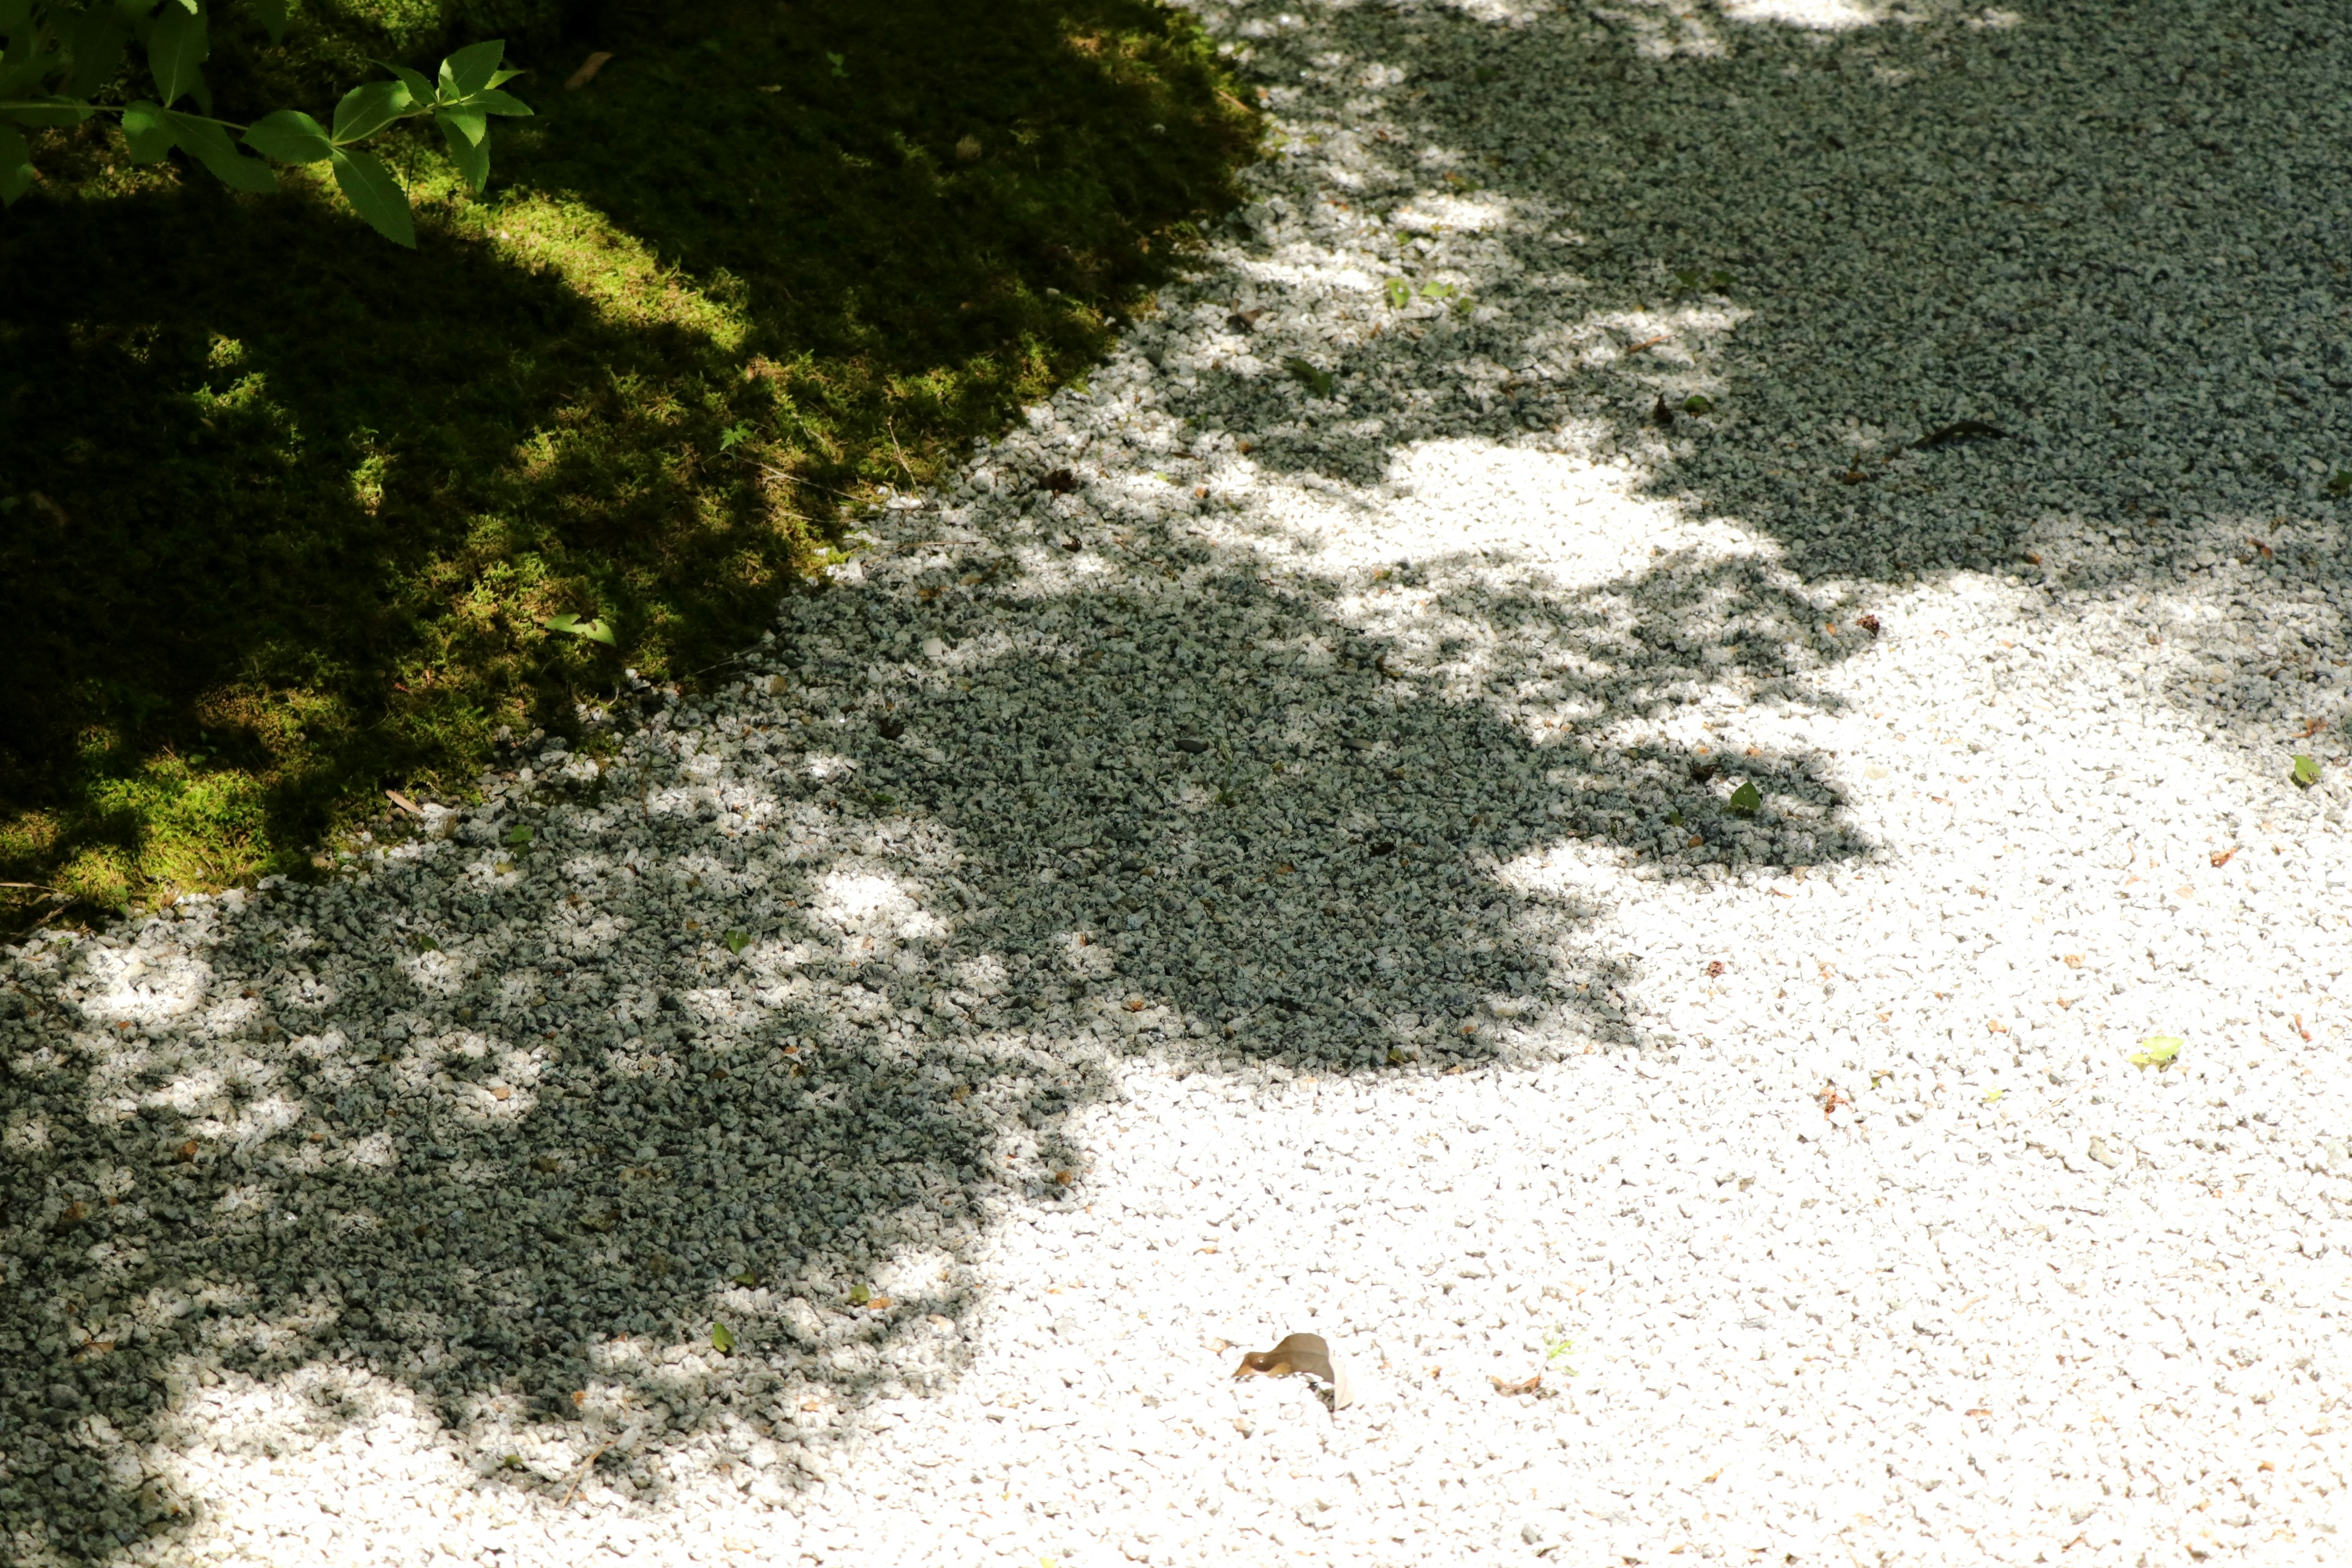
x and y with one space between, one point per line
424 943
723 1338
1993 1094
1317 381
2306 770
1694 404
1745 800
2340 483
1400 293
749 1278
2157 1051
519 837
737 940
859 1295
1675 816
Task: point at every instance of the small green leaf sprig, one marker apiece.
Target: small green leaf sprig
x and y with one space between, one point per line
56 56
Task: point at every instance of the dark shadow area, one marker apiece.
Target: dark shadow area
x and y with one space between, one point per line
2094 232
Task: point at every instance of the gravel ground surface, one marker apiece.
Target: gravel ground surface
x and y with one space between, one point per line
1384 817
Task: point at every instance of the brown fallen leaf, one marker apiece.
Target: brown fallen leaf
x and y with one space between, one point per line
2072 961
1868 622
405 803
1525 1385
1300 1352
587 71
2221 858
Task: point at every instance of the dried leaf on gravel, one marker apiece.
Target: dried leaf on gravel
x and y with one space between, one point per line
1300 1352
1525 1385
1960 430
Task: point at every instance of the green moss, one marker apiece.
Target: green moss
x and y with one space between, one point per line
298 503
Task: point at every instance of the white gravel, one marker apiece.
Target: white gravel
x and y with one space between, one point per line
1286 876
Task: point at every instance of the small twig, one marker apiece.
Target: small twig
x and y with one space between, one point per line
1645 343
577 1480
405 803
890 428
35 887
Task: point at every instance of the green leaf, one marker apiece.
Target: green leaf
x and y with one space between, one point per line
519 837
176 48
1745 800
1317 381
2306 770
377 197
98 36
749 1278
2339 483
467 148
1993 1094
423 943
470 70
1694 404
859 1295
206 141
495 102
48 112
1400 293
16 165
271 14
2157 1051
734 437
594 631
737 940
839 69
290 136
471 124
143 129
420 91
366 110
722 1338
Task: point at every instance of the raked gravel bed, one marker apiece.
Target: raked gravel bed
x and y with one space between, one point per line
1262 854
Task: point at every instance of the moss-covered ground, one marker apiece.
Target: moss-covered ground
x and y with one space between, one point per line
285 509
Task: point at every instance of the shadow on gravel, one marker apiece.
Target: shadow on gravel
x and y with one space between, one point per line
2034 292
760 1029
